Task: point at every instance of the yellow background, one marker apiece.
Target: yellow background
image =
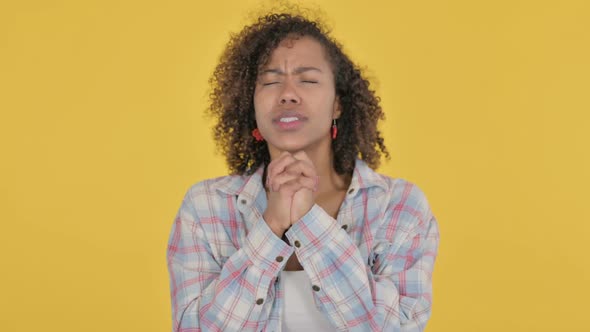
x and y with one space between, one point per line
102 132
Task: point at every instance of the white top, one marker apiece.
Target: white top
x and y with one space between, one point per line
300 312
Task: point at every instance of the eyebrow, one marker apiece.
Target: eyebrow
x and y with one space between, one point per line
296 71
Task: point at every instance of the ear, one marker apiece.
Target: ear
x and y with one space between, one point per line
337 109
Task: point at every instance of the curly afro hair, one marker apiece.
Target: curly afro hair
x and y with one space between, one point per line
232 96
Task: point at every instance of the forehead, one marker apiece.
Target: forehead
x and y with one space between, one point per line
297 51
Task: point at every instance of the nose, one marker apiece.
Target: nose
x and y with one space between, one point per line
289 95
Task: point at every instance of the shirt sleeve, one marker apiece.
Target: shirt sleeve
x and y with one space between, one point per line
235 295
390 292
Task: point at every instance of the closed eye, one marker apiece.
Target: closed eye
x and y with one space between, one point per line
269 83
309 81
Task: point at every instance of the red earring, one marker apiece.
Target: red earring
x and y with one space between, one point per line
334 129
257 136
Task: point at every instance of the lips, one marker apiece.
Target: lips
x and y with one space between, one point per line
289 120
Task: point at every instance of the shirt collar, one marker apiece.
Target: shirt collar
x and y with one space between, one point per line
363 177
251 197
250 187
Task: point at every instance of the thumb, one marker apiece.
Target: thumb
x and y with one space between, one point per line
301 155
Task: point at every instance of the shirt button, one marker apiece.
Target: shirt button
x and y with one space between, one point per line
316 288
259 301
297 244
243 201
279 259
351 190
344 227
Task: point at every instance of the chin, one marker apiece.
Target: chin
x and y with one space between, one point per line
292 147
294 144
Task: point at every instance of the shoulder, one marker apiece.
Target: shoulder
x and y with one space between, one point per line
201 195
406 204
396 193
228 184
406 194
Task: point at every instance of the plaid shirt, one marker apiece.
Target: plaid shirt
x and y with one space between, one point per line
369 270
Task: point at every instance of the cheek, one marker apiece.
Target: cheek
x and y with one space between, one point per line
261 100
258 105
261 107
325 99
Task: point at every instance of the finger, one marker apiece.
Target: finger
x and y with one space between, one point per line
307 171
289 188
287 183
304 158
309 183
301 155
276 160
282 178
297 168
278 166
301 167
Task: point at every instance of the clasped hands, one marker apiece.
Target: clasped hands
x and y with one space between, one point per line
292 182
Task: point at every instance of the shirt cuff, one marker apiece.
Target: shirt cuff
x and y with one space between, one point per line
312 232
266 250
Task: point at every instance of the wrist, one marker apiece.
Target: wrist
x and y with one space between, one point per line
274 226
278 231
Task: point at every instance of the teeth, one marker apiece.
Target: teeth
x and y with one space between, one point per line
291 119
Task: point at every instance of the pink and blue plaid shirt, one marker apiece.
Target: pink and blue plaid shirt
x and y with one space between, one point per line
369 270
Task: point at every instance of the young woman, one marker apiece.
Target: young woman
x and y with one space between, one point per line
304 235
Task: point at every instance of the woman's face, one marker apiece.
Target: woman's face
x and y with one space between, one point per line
295 97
